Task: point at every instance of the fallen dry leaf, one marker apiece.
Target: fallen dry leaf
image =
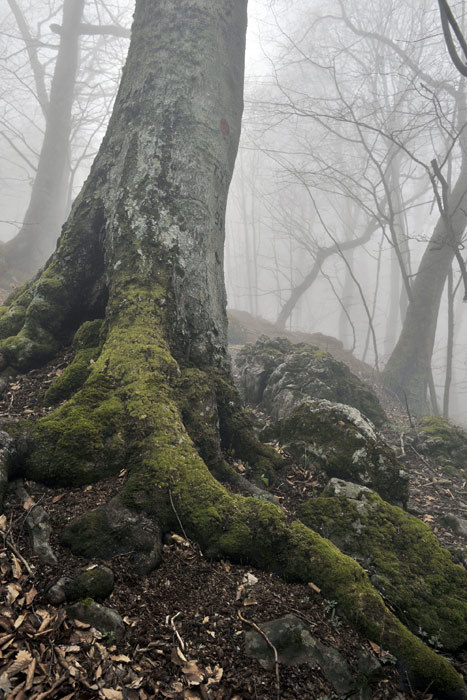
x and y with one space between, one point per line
30 595
19 621
13 591
121 658
177 657
110 694
16 568
22 661
58 498
3 523
192 673
29 503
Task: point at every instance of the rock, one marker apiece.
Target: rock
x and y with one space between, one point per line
402 556
340 441
368 665
104 619
278 376
295 645
96 583
55 594
457 525
38 525
443 441
112 530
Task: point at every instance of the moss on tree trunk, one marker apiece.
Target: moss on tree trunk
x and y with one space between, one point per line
143 251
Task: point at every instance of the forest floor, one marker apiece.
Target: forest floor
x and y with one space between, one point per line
184 636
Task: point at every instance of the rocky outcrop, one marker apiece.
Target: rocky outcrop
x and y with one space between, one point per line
276 376
340 441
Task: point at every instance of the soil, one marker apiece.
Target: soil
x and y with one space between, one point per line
184 634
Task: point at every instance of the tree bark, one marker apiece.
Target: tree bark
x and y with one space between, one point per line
141 254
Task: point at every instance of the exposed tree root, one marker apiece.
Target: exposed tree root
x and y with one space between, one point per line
129 412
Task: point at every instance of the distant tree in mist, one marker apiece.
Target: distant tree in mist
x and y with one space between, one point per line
57 102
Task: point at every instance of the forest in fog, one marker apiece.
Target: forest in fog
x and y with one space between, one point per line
353 138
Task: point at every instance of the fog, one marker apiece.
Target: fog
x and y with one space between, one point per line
353 140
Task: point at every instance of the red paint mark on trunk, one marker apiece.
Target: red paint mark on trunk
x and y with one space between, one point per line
225 128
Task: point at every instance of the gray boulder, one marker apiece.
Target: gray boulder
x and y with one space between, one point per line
104 619
39 528
295 645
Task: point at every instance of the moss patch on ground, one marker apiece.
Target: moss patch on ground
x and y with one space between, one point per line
408 565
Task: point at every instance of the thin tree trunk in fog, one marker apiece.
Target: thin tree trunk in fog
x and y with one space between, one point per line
29 249
450 344
408 369
310 277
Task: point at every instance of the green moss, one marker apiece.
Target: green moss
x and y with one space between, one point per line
73 377
238 437
83 440
89 335
443 440
410 569
96 583
11 320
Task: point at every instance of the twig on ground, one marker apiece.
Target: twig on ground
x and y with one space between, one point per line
412 425
13 549
176 632
271 645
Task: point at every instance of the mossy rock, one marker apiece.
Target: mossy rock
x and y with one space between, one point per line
405 560
278 375
341 442
113 530
96 583
442 440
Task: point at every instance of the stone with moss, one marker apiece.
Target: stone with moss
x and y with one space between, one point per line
278 376
110 531
342 443
96 582
405 560
104 619
443 440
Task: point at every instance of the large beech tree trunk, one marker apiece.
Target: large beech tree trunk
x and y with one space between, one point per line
142 252
21 257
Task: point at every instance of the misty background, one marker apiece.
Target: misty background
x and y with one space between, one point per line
349 108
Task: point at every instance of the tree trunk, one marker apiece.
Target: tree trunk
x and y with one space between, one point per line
408 369
142 250
22 256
